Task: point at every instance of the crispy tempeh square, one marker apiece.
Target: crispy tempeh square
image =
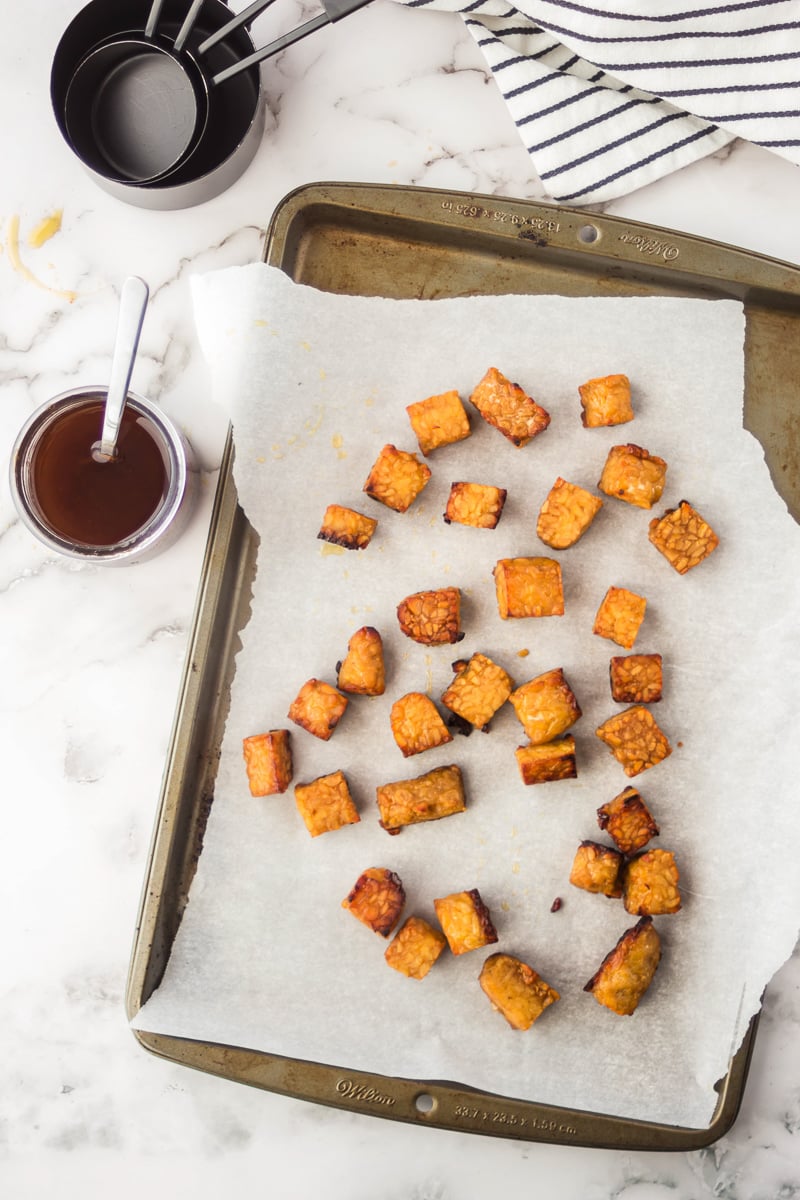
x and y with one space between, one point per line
346 527
529 587
507 407
432 618
479 689
650 884
628 821
325 804
439 421
415 948
546 706
466 921
377 898
566 514
635 740
417 724
548 763
636 678
268 761
515 990
477 504
597 868
634 475
620 616
396 479
318 708
627 971
429 797
683 537
606 401
362 671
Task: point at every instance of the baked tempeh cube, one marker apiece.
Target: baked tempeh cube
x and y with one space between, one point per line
417 724
566 514
683 537
597 869
606 401
508 408
515 990
396 479
432 618
325 804
650 884
439 421
546 706
377 899
346 527
479 689
627 971
628 821
466 921
636 678
477 504
318 708
429 797
633 475
362 671
268 761
548 763
415 948
620 616
635 740
529 587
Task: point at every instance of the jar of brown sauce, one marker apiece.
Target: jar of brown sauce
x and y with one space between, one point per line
117 511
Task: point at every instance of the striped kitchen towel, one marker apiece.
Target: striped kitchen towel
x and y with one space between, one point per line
611 95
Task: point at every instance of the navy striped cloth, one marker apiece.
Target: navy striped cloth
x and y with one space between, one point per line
610 96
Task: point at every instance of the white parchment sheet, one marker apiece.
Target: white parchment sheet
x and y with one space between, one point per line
266 957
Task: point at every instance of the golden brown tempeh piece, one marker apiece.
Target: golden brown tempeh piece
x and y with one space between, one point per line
318 708
529 587
417 724
546 706
268 761
508 408
606 401
362 671
466 921
548 763
627 971
683 537
597 869
429 797
376 899
325 804
415 948
479 689
620 616
477 504
432 618
396 478
566 514
636 678
634 475
439 421
635 740
650 884
627 821
515 990
347 528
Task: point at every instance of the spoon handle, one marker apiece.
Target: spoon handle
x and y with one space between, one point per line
133 302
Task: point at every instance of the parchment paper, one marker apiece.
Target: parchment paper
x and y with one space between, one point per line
266 957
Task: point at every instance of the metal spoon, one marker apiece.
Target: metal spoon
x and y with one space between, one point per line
133 302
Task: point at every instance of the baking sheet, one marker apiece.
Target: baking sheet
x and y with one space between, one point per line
327 398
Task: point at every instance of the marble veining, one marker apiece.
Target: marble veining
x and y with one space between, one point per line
91 659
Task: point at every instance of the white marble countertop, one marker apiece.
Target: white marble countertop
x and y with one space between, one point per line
92 658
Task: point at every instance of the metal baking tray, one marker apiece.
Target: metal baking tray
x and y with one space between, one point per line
415 242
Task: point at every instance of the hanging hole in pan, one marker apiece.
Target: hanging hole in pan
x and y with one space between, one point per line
425 1104
588 234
